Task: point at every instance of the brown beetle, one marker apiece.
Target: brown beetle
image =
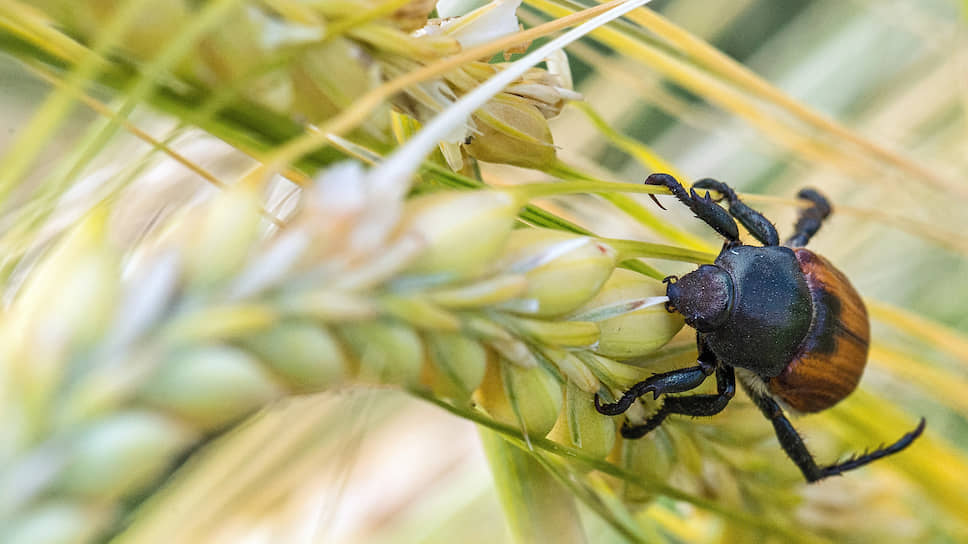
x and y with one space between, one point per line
781 317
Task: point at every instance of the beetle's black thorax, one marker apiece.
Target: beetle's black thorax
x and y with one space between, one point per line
770 312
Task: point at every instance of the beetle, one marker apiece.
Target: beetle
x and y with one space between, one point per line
781 318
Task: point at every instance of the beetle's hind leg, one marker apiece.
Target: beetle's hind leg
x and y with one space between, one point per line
691 405
756 223
797 451
704 208
810 218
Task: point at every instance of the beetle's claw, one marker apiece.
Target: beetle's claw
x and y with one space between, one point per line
705 198
609 409
599 407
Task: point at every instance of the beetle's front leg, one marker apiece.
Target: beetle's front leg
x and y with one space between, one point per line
674 381
755 222
703 206
689 405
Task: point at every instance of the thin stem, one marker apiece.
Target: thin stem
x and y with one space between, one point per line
632 249
643 481
538 190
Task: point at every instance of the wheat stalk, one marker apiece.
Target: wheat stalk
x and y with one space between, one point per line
120 364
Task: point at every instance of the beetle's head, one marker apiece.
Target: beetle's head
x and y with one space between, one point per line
703 297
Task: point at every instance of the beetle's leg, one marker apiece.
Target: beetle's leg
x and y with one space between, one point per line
757 225
704 208
675 381
810 218
797 451
691 405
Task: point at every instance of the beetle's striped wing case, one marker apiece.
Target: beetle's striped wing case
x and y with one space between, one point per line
831 359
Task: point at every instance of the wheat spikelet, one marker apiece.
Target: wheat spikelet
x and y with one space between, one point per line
219 317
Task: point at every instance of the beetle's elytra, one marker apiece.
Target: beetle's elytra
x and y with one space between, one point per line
781 317
832 356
